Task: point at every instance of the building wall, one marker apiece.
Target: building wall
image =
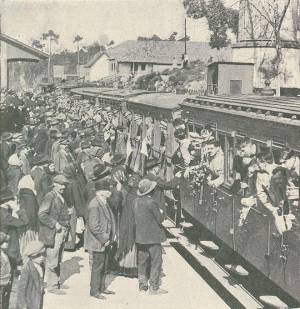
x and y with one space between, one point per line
58 71
17 53
141 68
233 72
290 67
124 68
99 69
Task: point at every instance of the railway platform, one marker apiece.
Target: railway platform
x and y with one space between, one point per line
186 289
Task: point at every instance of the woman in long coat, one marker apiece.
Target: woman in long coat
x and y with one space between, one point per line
28 202
74 196
126 252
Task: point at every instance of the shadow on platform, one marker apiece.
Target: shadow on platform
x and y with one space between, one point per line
70 267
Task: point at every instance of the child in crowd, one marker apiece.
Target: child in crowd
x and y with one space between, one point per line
5 272
30 289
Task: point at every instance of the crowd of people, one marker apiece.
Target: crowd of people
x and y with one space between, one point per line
67 183
78 174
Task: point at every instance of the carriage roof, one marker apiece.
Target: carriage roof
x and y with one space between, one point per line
281 109
90 91
168 101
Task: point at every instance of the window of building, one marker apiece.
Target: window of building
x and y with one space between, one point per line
143 67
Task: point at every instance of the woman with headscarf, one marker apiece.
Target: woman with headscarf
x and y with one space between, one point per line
28 202
14 173
126 252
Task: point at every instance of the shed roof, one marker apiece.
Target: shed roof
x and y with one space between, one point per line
18 44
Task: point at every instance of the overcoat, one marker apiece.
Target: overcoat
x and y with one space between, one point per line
52 210
148 221
30 288
100 225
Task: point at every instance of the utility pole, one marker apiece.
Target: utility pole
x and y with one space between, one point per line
185 35
78 61
49 60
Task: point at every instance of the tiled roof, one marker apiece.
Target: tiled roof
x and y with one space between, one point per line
94 59
161 52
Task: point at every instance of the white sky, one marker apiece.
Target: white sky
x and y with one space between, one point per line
119 19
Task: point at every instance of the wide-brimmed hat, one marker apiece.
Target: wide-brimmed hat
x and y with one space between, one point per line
40 159
100 171
34 248
6 195
117 159
103 184
61 179
146 186
151 163
6 136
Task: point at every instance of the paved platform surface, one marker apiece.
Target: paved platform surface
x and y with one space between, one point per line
187 290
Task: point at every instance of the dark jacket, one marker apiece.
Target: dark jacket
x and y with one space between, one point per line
52 210
39 177
28 202
74 192
162 185
148 221
100 225
30 288
127 224
9 225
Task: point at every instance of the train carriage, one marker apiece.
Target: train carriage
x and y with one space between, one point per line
268 122
272 123
157 112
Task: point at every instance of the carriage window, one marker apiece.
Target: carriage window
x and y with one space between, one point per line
191 127
227 145
230 150
198 129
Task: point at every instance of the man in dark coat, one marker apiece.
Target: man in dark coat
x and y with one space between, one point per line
54 224
149 236
100 171
100 233
153 169
38 174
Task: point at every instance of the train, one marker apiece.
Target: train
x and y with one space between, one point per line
268 122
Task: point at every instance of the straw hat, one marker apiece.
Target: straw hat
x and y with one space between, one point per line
146 186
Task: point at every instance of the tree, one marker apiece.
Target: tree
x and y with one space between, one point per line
172 37
271 14
50 36
76 40
219 19
37 44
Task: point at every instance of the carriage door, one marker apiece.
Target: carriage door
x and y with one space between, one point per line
235 87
